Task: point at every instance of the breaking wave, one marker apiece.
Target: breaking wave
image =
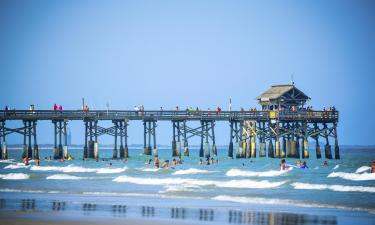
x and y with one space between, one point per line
77 169
191 171
16 166
353 176
111 170
14 176
340 188
246 173
6 160
64 177
180 181
150 169
362 169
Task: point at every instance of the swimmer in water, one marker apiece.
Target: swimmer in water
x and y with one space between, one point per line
283 165
200 162
165 164
156 162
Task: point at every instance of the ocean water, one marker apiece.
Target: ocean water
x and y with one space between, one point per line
241 191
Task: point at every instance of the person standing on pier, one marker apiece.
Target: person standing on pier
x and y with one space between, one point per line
60 108
55 107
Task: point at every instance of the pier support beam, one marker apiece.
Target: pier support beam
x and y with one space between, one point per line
174 143
65 148
327 147
29 148
85 148
114 152
36 147
337 149
214 149
316 137
283 147
24 146
271 153
121 130
230 149
305 146
150 130
207 144
253 143
186 145
262 141
3 144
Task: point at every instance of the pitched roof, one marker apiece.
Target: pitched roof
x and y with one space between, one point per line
277 91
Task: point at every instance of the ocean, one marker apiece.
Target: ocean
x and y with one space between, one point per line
234 191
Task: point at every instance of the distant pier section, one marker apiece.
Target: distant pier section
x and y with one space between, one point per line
282 128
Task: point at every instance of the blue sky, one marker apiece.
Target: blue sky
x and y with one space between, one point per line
187 53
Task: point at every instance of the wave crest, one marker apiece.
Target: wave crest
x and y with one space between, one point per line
340 188
191 171
362 169
180 181
353 176
77 169
246 173
63 177
15 176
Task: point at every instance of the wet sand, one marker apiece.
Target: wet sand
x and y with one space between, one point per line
19 219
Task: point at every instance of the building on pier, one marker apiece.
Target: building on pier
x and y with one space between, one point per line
282 96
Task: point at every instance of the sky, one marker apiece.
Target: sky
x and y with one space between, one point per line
187 53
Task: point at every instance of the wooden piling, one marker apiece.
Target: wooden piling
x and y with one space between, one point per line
283 147
114 152
337 149
186 144
230 147
36 147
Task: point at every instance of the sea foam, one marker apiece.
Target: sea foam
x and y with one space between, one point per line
353 176
340 188
362 169
64 177
77 169
191 171
196 182
246 173
16 166
14 176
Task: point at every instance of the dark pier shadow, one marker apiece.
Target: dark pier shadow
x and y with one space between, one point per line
119 210
178 213
148 211
271 218
206 214
87 208
28 205
58 206
2 204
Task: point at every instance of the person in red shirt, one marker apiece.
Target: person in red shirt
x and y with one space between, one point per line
54 107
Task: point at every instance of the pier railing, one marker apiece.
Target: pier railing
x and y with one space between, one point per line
309 116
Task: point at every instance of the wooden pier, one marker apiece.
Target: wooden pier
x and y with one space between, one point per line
283 128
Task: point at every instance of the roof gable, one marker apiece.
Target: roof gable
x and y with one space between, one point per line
282 91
